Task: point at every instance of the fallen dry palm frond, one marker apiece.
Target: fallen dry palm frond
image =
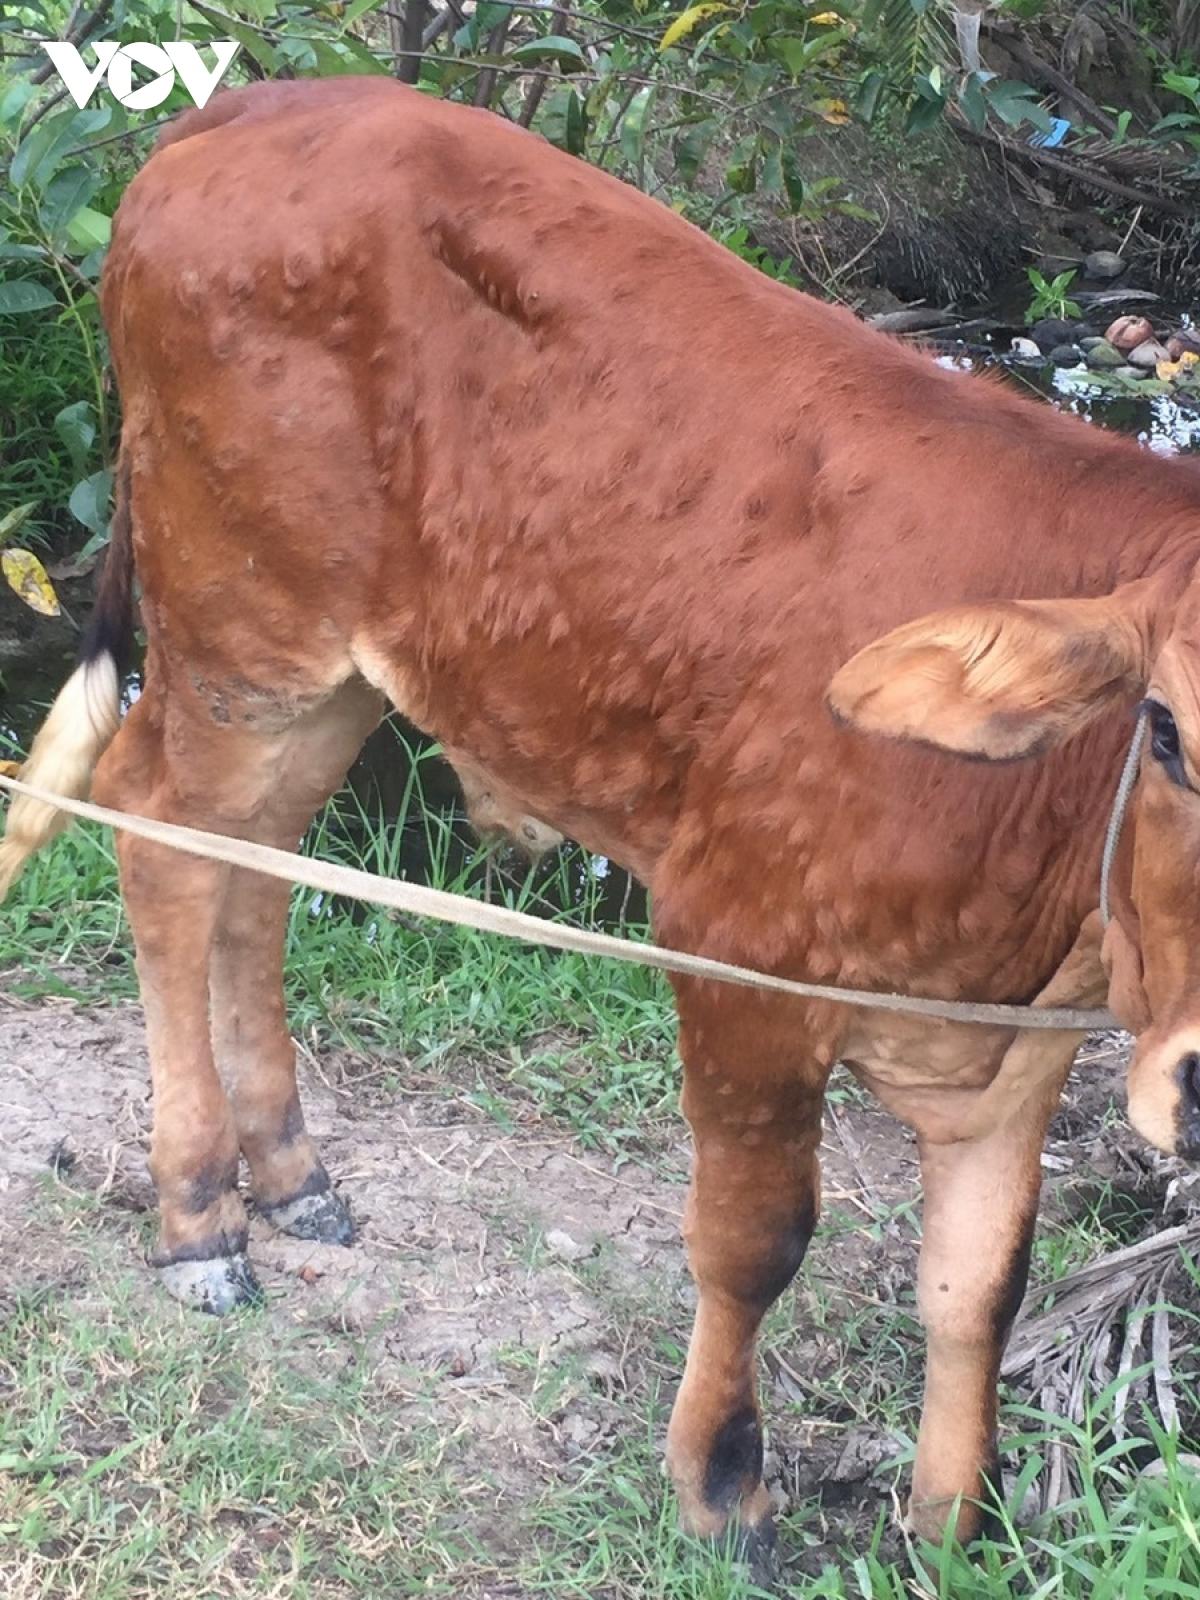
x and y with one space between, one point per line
1107 1320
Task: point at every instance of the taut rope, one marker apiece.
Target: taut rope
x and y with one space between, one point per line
420 901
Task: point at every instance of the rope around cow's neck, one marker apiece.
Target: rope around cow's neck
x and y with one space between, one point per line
1116 819
420 901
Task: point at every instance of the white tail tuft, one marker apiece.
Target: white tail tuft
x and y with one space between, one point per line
81 724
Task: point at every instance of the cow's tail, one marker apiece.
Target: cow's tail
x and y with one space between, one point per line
85 716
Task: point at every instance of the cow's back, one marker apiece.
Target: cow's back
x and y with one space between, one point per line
602 507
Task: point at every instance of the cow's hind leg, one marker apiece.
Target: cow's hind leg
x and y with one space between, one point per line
981 1199
754 1105
254 1050
210 763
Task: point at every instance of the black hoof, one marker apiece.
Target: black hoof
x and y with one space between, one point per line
756 1549
323 1217
219 1285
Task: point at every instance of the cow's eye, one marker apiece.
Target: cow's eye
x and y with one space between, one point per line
1164 742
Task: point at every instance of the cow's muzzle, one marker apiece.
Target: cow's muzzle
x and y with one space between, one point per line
1164 1090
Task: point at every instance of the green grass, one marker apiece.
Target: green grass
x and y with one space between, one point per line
145 1454
1126 1538
592 1039
148 1455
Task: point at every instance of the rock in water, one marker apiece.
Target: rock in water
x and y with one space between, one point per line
1105 356
1026 350
1147 355
1103 264
1187 339
1053 330
1066 355
1129 332
913 319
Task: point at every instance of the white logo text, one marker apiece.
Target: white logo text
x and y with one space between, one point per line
117 61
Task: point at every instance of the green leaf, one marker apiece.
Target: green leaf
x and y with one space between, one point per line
576 125
554 47
793 183
89 266
848 208
692 146
480 24
13 520
89 229
1182 84
870 90
359 8
923 114
925 87
800 54
24 295
304 57
15 98
741 174
972 101
21 252
1015 103
251 42
364 61
76 427
89 501
633 125
66 194
40 152
772 170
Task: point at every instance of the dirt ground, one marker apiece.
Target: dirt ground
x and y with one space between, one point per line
490 1255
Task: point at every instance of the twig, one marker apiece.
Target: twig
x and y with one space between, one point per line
437 27
43 110
408 35
83 33
1137 217
485 86
130 133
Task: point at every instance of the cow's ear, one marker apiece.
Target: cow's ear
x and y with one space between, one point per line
1000 681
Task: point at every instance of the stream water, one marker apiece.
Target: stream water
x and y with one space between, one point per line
430 838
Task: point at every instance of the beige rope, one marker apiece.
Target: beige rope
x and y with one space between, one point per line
420 901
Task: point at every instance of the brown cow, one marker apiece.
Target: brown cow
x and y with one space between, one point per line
419 408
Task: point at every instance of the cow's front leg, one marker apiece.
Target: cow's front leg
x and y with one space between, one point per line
753 1203
981 1199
